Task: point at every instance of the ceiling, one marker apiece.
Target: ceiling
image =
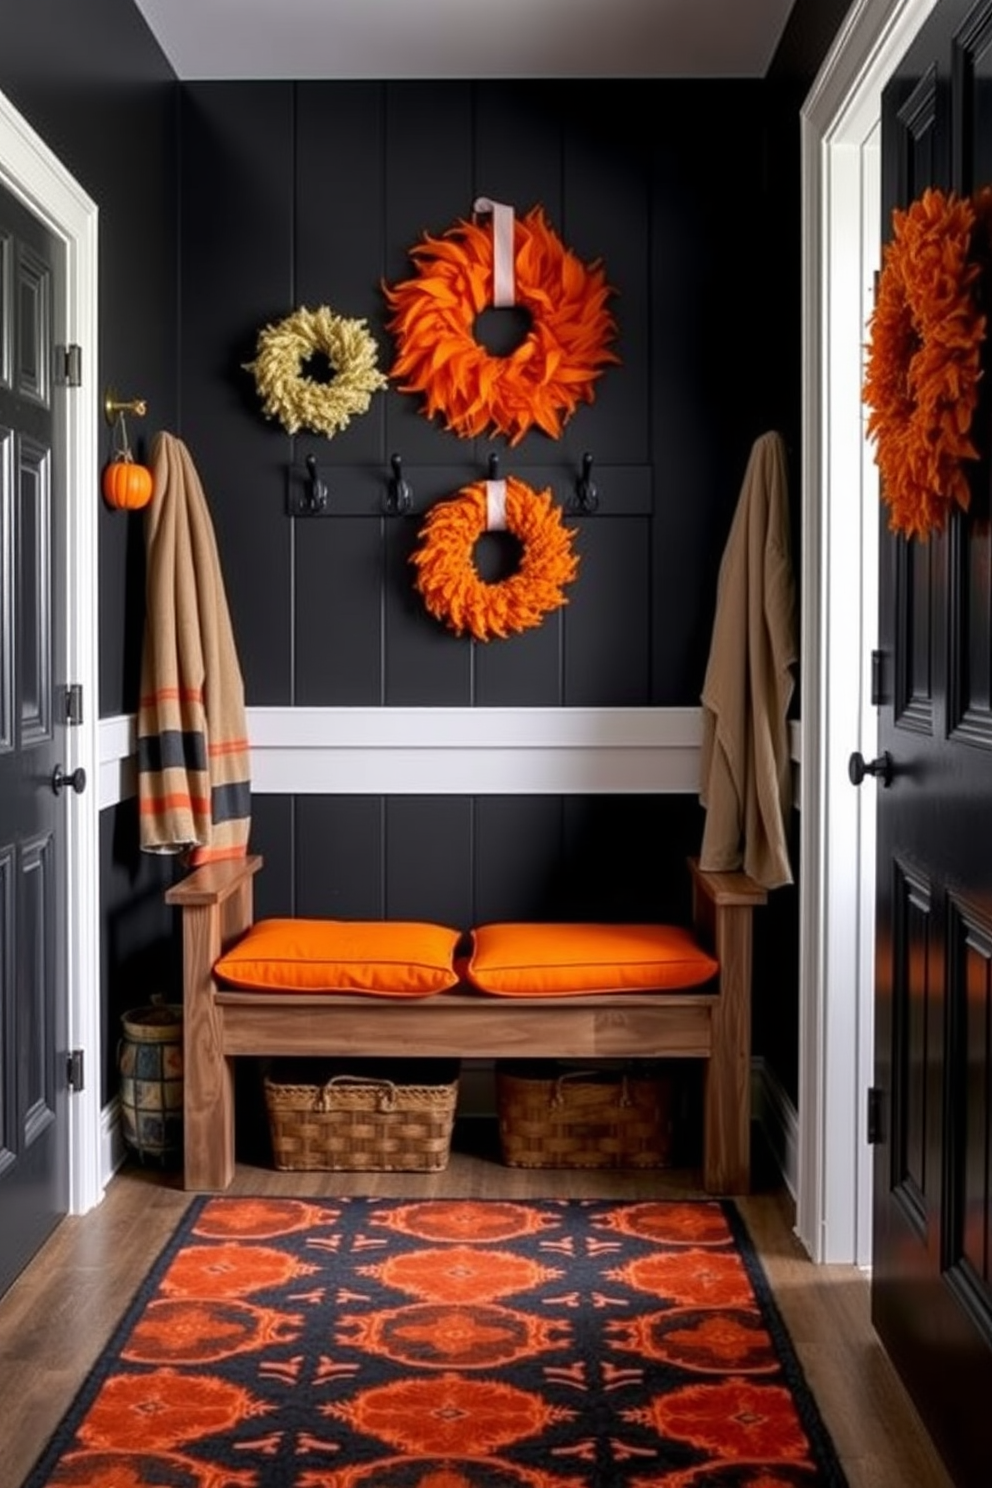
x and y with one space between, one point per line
384 39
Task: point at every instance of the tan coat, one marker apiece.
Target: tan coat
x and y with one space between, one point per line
194 785
746 772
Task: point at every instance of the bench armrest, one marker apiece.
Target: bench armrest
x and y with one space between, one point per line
214 882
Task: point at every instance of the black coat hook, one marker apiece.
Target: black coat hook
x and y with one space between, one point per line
494 466
399 493
316 498
586 494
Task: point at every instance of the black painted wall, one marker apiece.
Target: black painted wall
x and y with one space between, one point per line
259 197
675 195
93 83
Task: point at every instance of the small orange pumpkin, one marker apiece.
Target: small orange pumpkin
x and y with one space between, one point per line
126 485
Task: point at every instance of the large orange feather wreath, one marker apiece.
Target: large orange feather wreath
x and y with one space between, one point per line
451 586
544 379
924 357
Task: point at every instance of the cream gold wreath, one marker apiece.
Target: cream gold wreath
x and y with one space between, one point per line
301 402
450 585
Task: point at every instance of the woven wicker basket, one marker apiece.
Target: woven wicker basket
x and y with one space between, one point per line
389 1117
555 1116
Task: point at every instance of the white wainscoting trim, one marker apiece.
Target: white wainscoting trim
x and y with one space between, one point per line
449 751
118 777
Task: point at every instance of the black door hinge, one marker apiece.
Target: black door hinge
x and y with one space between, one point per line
874 1115
74 704
69 366
74 1070
877 679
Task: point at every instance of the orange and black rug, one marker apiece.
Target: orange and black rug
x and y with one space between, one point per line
364 1343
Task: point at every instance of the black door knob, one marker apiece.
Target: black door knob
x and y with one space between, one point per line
76 781
858 767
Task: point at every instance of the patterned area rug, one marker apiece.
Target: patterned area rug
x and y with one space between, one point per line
363 1343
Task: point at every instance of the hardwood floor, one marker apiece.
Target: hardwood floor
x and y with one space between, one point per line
58 1314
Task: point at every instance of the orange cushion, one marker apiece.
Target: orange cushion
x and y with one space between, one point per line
558 960
395 958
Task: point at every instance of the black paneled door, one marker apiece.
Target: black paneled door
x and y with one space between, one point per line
932 1264
33 1086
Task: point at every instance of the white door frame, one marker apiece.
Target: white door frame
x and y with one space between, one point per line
30 172
841 231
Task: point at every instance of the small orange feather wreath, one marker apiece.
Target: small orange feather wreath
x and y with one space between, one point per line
924 357
450 584
544 379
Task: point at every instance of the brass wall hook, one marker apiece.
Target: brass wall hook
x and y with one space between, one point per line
113 407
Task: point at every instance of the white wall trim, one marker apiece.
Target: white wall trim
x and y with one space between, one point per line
449 751
30 171
839 508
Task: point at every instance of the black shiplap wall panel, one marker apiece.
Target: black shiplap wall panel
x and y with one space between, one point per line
237 275
607 635
273 835
775 975
428 859
518 844
326 609
96 87
607 217
426 664
140 953
716 364
518 161
428 184
524 670
338 615
461 860
338 247
339 236
624 857
339 857
518 146
682 294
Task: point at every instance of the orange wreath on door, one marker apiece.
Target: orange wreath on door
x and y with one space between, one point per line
924 357
452 588
544 379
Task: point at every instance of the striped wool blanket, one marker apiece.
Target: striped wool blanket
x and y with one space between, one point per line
194 779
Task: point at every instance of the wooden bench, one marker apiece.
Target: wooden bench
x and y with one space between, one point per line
712 1024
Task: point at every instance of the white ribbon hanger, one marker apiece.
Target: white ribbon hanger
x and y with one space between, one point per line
504 288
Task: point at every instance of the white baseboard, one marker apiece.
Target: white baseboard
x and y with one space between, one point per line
778 1118
112 1149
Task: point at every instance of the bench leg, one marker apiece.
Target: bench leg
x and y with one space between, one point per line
727 1080
208 1075
208 1115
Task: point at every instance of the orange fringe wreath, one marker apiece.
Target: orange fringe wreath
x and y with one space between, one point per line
450 585
924 359
545 378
